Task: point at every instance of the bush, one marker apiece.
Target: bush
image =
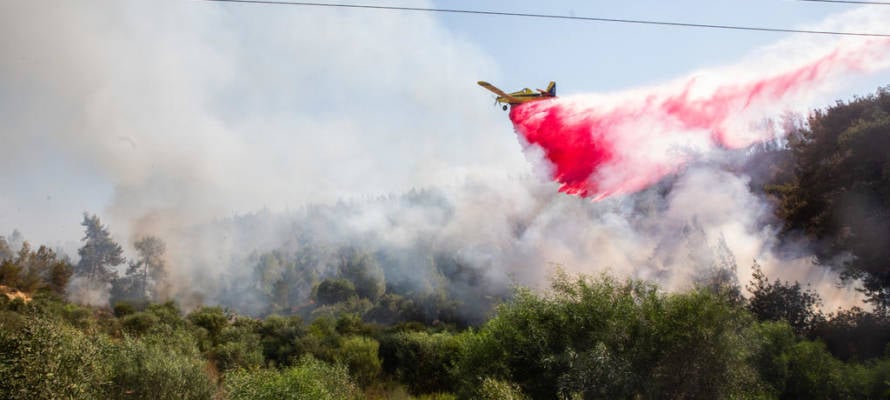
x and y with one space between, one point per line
211 319
813 373
321 339
332 291
139 323
237 347
783 301
311 379
703 348
123 308
159 367
51 360
492 389
601 338
421 360
280 338
359 354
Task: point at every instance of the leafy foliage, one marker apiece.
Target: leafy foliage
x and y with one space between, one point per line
836 188
159 367
45 359
359 354
855 334
99 252
311 379
280 339
30 271
783 301
333 291
492 389
145 275
594 338
421 360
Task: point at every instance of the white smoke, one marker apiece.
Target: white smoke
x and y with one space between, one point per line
165 117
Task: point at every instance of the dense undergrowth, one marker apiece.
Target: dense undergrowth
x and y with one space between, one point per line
584 338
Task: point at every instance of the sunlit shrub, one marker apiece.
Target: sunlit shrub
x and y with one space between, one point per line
359 354
492 389
46 359
311 379
159 367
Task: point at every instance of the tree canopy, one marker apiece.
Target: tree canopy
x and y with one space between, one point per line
835 188
99 252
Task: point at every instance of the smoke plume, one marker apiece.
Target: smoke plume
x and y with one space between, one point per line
182 119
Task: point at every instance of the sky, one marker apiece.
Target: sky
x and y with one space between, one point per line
156 115
584 56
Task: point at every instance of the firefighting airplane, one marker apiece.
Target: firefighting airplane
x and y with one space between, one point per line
523 96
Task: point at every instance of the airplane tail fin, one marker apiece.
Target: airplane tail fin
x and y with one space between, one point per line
551 88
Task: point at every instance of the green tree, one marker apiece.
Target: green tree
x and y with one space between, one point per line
332 291
783 301
6 252
836 188
149 268
99 253
30 271
363 271
855 334
10 273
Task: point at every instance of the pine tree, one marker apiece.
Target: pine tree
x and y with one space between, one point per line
149 269
99 253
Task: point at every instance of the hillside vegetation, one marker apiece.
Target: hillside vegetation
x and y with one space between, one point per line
317 320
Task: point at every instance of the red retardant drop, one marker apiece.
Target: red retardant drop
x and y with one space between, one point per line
597 147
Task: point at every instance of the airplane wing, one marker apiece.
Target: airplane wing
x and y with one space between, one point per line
497 91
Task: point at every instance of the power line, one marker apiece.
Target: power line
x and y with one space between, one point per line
553 16
882 3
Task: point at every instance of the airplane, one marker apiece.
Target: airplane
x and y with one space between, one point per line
523 96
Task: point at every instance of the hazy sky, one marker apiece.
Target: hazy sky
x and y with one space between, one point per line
194 110
586 56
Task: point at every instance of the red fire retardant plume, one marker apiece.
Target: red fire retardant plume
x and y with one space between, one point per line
595 148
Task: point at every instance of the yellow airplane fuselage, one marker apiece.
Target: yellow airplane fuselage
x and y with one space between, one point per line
523 96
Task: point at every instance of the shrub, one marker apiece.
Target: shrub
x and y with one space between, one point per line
237 347
139 323
421 360
280 337
50 360
603 338
359 354
311 379
492 389
159 367
332 291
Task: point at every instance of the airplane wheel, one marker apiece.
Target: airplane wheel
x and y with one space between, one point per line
505 108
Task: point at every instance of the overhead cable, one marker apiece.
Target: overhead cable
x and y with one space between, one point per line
858 2
553 16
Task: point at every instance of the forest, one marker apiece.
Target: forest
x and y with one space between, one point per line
351 319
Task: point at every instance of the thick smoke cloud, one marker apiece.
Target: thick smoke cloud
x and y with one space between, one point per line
184 111
168 118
